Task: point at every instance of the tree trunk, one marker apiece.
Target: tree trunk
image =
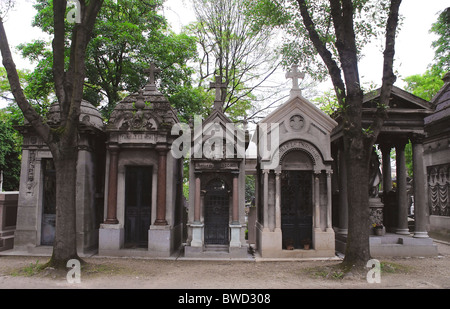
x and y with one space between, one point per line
65 245
357 251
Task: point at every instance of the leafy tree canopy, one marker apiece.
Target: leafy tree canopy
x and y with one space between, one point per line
127 37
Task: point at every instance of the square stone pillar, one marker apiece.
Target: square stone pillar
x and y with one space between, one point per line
197 234
235 229
111 237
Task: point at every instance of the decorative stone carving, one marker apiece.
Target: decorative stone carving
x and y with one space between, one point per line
31 164
297 122
439 189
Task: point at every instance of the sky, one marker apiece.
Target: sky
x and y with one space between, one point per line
413 45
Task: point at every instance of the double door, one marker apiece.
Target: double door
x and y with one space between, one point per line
296 208
138 202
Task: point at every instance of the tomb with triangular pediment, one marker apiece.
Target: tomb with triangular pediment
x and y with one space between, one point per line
294 178
216 222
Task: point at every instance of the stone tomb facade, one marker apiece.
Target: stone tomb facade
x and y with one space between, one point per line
216 218
437 160
293 180
36 217
143 181
391 206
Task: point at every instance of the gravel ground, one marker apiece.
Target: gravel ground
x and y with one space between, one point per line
135 273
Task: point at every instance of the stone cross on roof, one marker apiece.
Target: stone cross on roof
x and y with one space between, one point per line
218 85
295 75
151 73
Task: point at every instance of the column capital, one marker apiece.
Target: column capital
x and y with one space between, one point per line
417 138
401 142
113 148
265 171
385 147
235 174
329 173
162 149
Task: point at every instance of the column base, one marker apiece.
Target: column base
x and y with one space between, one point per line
160 239
197 234
402 231
111 237
342 231
235 235
420 235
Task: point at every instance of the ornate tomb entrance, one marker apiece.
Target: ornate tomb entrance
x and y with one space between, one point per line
294 176
138 202
216 213
143 180
217 180
296 209
49 203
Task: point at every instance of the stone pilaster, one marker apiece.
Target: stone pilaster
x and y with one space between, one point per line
111 215
277 200
266 200
317 199
329 200
161 188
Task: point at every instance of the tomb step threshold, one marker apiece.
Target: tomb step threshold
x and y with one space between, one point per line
216 248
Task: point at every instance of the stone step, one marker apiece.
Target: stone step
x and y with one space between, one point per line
216 248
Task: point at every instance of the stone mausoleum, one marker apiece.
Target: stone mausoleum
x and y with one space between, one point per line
130 200
294 180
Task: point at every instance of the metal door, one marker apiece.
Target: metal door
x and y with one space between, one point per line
138 197
216 205
296 208
48 223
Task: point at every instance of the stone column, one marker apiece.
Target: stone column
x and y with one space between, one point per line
235 226
420 205
111 214
317 199
402 200
266 200
197 199
343 197
235 212
197 225
329 200
161 188
387 177
277 201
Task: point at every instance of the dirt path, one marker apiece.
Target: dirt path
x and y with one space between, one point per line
133 273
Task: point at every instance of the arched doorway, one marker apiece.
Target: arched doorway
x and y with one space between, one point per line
216 213
296 200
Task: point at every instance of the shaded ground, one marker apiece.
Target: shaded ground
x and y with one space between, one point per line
134 273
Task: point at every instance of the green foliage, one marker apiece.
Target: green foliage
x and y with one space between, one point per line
442 44
425 85
369 23
127 37
10 152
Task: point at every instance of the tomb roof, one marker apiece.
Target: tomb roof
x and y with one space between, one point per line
89 115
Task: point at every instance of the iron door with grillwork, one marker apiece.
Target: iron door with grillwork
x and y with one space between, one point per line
48 224
296 208
138 197
216 213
